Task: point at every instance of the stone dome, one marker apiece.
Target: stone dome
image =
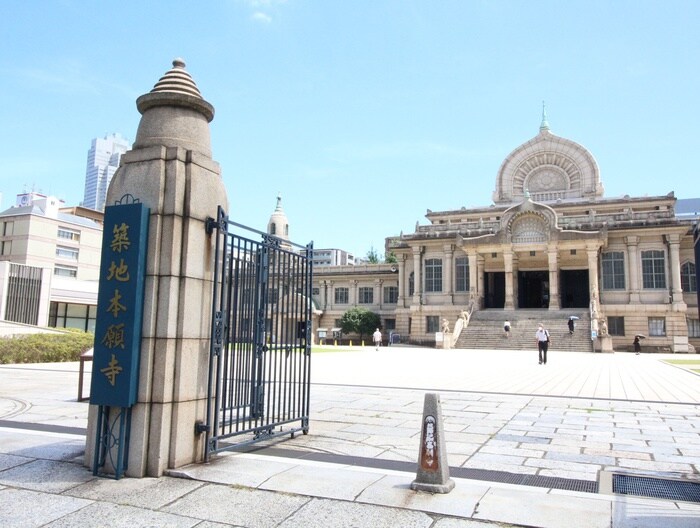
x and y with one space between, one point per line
551 168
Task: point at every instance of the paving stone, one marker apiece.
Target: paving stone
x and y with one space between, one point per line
529 508
101 514
9 461
322 513
237 506
152 493
24 508
584 458
324 481
633 512
46 475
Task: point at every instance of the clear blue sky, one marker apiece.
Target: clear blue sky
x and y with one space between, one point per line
362 113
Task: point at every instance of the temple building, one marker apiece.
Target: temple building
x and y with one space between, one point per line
551 245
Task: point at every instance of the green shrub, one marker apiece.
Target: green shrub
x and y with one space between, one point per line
45 348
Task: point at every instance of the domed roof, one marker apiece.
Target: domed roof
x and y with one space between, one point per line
278 224
550 168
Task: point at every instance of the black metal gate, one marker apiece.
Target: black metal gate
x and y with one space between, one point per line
260 361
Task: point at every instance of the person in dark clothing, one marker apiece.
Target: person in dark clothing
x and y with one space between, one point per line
637 345
542 337
571 325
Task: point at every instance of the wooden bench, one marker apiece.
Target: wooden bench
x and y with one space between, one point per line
85 356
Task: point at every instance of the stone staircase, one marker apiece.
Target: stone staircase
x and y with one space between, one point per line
485 330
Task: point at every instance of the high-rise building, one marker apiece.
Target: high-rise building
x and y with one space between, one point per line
102 162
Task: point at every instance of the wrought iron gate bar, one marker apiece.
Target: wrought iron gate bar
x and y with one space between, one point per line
259 373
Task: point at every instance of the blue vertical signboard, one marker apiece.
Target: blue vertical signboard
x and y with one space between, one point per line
115 366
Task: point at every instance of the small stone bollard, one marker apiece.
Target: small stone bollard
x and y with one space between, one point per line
433 473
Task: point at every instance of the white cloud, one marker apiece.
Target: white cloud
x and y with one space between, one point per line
261 17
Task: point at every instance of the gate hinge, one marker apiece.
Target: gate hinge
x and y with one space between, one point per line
201 427
210 224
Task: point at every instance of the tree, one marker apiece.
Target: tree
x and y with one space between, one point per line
390 258
360 321
372 256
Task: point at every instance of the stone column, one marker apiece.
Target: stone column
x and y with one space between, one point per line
516 291
480 280
448 286
508 263
378 289
674 241
352 300
593 272
473 280
417 274
401 301
553 259
331 288
324 285
170 170
633 262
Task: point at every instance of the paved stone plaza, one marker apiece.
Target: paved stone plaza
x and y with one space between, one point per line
503 413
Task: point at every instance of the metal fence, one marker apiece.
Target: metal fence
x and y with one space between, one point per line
260 362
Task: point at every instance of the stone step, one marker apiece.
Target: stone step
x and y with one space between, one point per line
485 330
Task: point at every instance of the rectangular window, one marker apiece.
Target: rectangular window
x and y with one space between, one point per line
688 278
66 253
391 294
342 295
693 328
432 323
7 247
657 326
272 296
616 326
433 275
366 294
461 274
389 325
315 291
65 271
8 229
653 269
69 234
613 264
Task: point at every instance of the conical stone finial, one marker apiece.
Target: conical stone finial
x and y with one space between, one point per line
174 113
544 125
177 80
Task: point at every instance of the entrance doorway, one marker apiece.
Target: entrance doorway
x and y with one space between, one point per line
533 289
574 288
494 289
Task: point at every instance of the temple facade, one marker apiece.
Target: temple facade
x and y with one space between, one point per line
550 241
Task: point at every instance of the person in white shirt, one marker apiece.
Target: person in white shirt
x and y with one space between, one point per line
542 337
377 338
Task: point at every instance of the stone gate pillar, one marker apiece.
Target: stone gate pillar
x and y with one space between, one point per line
171 171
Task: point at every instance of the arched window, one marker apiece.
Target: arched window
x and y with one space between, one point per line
273 229
688 279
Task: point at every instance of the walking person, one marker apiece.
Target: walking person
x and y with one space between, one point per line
637 345
542 337
506 328
571 326
377 338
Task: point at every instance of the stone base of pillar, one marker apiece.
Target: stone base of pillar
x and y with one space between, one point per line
606 344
